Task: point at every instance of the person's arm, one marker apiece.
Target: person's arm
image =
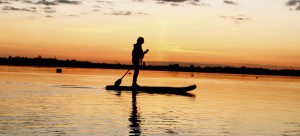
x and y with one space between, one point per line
145 51
143 55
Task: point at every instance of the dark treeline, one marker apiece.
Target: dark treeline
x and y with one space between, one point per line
53 62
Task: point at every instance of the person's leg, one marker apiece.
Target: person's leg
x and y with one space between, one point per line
136 73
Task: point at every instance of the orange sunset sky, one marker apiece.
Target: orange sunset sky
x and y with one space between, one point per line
225 32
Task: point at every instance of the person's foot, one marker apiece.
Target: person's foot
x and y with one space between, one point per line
135 85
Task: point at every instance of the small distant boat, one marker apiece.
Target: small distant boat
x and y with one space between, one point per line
59 70
153 89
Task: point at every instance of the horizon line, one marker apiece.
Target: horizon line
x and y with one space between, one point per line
166 63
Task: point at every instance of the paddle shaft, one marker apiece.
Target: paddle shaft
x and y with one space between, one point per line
125 73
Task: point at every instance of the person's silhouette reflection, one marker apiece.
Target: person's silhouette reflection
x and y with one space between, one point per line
134 117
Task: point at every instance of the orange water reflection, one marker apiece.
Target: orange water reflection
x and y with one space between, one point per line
38 101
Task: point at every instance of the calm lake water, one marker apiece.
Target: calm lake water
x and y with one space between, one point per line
36 101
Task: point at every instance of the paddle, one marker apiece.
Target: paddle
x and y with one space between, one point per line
119 81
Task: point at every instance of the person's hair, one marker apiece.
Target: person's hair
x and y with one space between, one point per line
140 40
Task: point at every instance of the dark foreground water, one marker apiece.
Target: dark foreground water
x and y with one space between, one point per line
38 102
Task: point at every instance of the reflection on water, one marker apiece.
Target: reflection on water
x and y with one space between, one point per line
135 117
39 102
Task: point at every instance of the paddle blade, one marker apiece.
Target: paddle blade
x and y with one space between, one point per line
118 82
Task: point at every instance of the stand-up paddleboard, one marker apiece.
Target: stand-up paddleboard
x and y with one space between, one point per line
153 89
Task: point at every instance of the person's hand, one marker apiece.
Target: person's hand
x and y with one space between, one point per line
146 50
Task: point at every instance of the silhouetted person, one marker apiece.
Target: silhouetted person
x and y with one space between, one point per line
137 57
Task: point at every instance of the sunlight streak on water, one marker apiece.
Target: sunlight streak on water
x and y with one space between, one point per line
37 101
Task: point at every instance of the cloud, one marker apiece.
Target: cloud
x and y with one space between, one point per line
177 48
56 2
177 2
172 0
140 13
68 2
47 3
125 13
118 13
106 7
49 9
102 1
230 2
28 1
10 8
138 0
237 19
295 3
29 9
45 6
4 2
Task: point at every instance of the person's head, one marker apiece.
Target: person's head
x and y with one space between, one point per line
140 40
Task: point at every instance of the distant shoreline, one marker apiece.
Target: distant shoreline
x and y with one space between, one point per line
53 62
